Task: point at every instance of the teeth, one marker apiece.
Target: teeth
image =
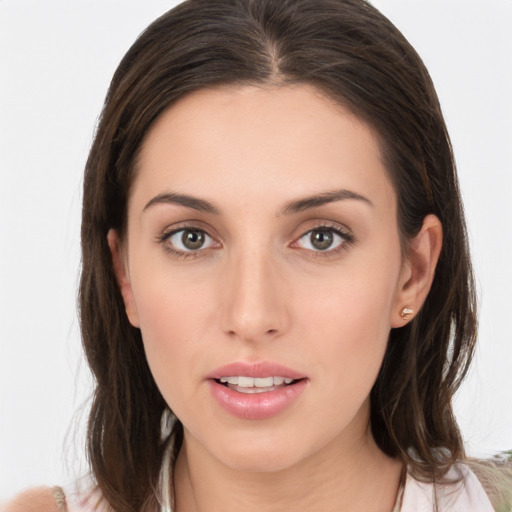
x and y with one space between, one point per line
245 382
264 382
258 382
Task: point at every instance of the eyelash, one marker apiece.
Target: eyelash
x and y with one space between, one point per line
183 254
347 239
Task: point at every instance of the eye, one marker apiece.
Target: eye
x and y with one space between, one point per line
188 240
322 240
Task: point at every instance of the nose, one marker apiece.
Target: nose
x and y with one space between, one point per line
254 293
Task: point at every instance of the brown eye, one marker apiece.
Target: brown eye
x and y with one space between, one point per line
188 240
321 240
192 239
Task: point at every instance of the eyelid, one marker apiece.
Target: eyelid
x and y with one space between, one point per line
343 232
164 236
170 235
338 229
187 224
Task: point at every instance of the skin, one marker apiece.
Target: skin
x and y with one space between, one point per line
259 290
39 499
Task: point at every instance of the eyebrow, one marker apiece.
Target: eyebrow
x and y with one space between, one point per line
184 200
292 207
317 200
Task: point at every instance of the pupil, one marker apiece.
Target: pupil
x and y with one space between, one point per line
321 240
193 239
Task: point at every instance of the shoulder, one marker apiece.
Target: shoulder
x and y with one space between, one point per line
461 491
38 499
82 495
495 475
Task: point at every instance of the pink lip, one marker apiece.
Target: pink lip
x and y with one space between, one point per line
256 406
262 369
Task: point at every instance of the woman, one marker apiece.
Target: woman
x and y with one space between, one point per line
274 248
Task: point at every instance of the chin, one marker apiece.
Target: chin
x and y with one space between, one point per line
265 452
260 461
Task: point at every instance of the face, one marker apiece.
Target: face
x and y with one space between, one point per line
263 266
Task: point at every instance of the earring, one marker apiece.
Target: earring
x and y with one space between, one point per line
406 313
167 422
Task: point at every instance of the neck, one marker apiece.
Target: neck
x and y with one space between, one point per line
338 478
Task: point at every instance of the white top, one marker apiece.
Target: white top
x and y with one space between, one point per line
466 496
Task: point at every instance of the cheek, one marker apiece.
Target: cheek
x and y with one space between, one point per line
348 321
174 324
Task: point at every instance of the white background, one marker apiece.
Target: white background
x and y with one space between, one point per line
56 61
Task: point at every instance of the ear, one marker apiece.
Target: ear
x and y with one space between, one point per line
122 276
418 271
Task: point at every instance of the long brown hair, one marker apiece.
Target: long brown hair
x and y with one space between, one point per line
352 53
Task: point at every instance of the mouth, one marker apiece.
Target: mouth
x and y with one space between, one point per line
245 384
256 391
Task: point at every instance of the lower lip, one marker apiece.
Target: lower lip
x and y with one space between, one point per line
257 406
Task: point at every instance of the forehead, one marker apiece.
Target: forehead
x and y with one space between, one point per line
240 141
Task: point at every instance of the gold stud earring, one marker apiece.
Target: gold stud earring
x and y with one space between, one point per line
406 313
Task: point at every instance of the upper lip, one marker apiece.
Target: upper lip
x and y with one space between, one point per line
258 369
